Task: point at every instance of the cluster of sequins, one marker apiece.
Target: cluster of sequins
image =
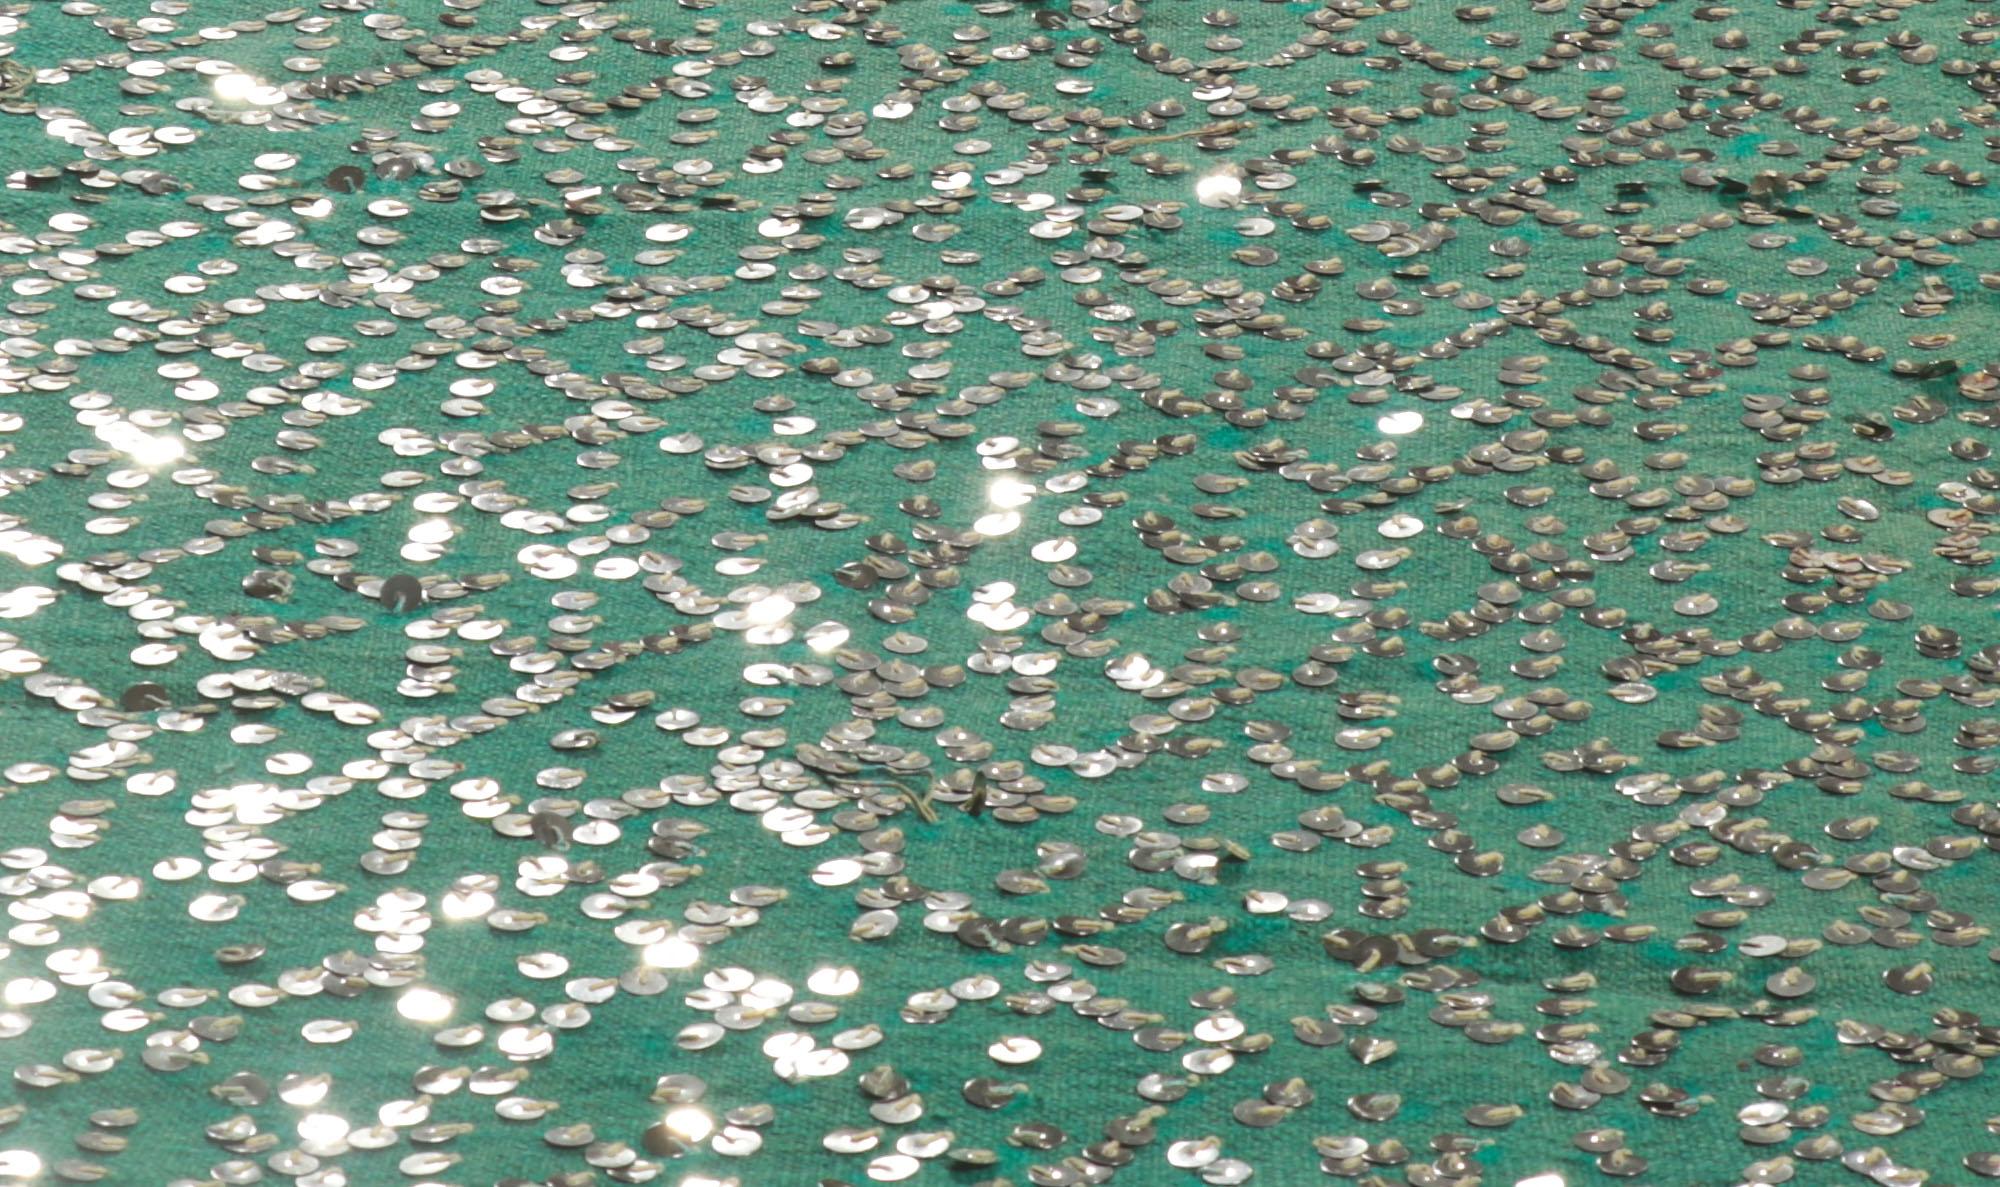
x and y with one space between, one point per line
1018 591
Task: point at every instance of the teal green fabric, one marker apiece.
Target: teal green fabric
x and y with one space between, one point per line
1715 280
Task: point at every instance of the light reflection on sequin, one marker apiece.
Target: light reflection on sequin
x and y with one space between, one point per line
425 1005
145 448
322 1129
1219 189
237 87
20 1164
672 953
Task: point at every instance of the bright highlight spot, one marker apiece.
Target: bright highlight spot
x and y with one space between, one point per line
689 1124
470 905
827 636
141 446
234 87
322 1128
672 954
770 610
1010 493
1396 424
1219 189
19 1164
305 1093
834 981
1545 1179
238 87
158 452
423 1004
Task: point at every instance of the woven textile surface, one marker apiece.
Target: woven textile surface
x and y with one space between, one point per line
1033 592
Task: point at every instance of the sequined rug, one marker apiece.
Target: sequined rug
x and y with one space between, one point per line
1032 592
